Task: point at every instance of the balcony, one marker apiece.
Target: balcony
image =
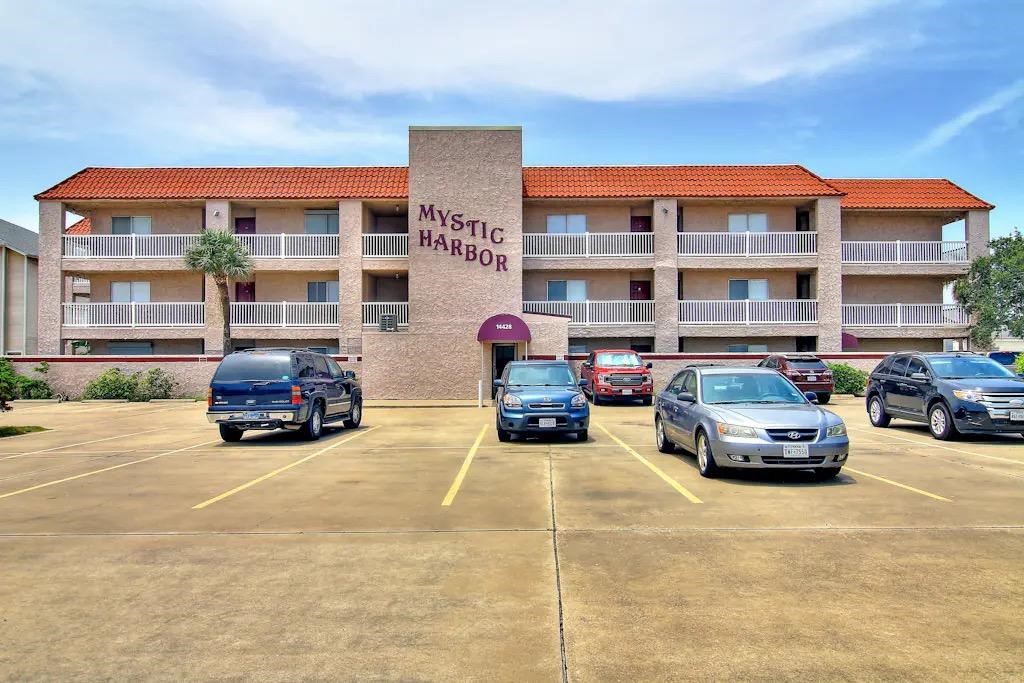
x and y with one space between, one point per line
747 243
283 314
899 251
747 312
588 244
137 314
373 310
904 315
385 245
174 246
597 312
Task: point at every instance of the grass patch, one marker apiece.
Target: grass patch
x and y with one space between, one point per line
15 431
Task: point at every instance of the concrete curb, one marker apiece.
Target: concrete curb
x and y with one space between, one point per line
104 400
36 400
173 400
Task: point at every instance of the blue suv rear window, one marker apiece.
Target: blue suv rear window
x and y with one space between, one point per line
254 366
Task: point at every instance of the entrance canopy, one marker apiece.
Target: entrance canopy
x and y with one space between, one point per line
504 327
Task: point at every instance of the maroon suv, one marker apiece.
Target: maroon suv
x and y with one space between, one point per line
805 370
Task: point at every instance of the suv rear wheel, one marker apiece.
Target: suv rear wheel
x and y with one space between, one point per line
314 426
355 416
940 422
231 434
876 412
824 397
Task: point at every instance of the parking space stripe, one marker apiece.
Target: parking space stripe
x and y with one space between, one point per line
932 444
651 466
100 471
82 443
896 483
279 470
454 488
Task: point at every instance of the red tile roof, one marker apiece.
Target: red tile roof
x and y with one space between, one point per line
905 193
672 181
82 227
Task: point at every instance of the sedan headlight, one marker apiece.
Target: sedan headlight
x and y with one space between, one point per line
974 395
578 401
736 430
836 430
512 401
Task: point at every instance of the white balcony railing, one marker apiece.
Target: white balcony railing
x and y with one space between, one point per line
746 312
747 243
290 245
373 310
283 314
899 251
587 244
597 312
385 245
190 314
127 246
904 315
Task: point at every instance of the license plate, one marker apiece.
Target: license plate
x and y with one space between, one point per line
547 422
627 392
1017 415
812 378
249 415
795 451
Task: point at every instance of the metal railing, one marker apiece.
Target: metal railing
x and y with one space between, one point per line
747 311
286 245
283 314
135 314
587 244
620 312
373 310
801 243
904 315
385 245
127 246
899 251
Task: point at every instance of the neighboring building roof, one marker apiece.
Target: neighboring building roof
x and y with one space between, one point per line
672 181
81 227
21 240
905 193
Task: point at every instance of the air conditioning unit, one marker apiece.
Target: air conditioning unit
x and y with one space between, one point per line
388 322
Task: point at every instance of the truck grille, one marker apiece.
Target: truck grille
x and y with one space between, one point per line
625 380
1003 401
783 435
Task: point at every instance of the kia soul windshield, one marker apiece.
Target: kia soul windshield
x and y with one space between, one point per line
963 368
540 376
738 387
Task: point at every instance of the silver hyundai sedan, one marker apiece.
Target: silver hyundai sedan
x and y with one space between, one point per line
747 418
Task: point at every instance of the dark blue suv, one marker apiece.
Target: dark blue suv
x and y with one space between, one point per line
953 393
294 389
536 397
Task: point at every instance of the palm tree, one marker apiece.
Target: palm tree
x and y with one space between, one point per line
222 257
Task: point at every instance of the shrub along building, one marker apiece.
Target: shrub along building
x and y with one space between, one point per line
477 260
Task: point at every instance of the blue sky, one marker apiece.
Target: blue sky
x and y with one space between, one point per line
846 87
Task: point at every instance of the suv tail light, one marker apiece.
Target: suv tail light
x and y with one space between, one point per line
209 396
296 395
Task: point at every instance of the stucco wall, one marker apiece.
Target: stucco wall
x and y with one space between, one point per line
892 225
15 310
602 216
715 217
865 289
286 286
165 220
721 345
277 219
893 344
714 284
163 286
603 285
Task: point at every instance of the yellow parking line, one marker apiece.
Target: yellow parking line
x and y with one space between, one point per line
896 483
650 465
279 470
454 488
931 444
81 443
100 471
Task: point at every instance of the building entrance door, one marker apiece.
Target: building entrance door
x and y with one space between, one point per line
640 224
245 226
640 290
245 291
502 354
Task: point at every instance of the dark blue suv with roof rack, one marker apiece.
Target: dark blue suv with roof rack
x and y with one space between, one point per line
275 388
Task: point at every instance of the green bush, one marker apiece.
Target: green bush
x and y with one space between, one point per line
1020 364
116 384
14 385
848 379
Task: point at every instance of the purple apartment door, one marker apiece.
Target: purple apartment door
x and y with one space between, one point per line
245 291
640 224
245 226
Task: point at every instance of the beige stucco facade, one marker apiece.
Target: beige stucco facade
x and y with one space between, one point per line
19 300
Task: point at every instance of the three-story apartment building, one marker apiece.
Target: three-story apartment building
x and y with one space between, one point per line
658 258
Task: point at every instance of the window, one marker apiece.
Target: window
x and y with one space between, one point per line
335 369
322 371
567 290
260 366
125 292
306 368
899 366
575 223
577 347
321 222
748 222
322 292
756 290
130 348
916 365
676 385
690 382
747 348
130 225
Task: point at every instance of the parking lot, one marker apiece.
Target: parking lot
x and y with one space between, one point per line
135 544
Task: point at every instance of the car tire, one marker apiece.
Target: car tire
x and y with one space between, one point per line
940 422
313 427
706 464
876 412
355 416
665 444
582 435
647 400
597 399
231 434
823 397
504 435
826 473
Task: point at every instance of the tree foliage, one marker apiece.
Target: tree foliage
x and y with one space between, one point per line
222 257
992 291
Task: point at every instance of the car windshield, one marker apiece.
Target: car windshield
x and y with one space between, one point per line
805 364
541 375
963 367
629 360
748 387
254 367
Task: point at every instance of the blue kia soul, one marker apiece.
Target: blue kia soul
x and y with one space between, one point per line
540 397
295 389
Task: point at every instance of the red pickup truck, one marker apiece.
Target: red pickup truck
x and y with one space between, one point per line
617 374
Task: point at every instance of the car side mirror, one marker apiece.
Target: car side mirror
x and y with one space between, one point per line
648 365
583 381
348 374
499 383
686 397
919 376
811 396
585 364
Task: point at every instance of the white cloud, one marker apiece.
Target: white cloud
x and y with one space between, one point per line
943 133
